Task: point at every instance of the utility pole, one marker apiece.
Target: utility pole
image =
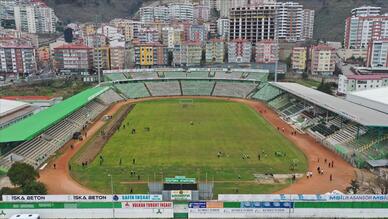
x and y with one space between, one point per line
276 42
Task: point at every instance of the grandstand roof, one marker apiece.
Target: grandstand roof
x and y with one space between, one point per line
34 125
357 113
377 95
9 106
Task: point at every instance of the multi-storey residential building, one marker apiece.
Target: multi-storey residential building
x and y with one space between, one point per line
35 18
366 11
377 56
364 26
101 58
95 40
351 83
210 3
181 11
128 28
111 32
201 12
267 52
151 14
253 22
197 33
117 55
299 58
172 36
223 27
290 21
239 51
225 6
215 51
150 54
73 58
148 35
17 60
188 53
322 60
308 23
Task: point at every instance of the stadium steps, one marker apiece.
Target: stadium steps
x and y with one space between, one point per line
148 89
366 147
180 87
253 92
214 87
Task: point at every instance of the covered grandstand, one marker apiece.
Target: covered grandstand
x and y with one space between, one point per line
34 139
356 132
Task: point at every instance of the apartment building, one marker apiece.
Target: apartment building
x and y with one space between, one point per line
223 28
35 18
322 60
308 23
73 58
290 21
148 35
172 36
253 22
188 53
267 52
17 60
150 54
101 58
197 32
351 83
299 58
215 51
201 12
181 12
377 55
239 51
365 25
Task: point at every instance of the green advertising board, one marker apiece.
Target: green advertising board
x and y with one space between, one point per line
180 179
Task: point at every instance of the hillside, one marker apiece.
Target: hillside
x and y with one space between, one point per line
329 21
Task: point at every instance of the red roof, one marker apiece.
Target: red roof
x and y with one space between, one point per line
368 77
73 46
27 98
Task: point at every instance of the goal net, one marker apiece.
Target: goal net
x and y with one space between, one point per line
186 102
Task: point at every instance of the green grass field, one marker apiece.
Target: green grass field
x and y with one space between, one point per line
174 146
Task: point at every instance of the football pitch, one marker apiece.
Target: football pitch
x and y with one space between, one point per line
210 140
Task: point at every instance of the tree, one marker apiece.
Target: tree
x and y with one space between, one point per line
325 87
170 57
21 174
354 187
9 191
34 188
289 61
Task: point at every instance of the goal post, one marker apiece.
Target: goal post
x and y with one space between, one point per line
186 102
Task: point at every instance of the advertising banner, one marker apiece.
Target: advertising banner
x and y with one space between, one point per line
155 205
267 205
81 198
303 197
197 204
181 195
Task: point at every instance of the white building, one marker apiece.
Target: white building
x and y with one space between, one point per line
377 54
366 11
223 28
151 14
363 27
352 83
239 51
308 23
201 12
290 17
35 18
171 36
181 12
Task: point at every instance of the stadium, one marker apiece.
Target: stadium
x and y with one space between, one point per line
207 131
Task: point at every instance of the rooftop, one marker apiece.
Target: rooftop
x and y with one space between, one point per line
376 95
10 106
368 77
34 125
72 46
27 97
357 113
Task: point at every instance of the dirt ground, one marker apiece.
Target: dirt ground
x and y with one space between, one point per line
58 181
